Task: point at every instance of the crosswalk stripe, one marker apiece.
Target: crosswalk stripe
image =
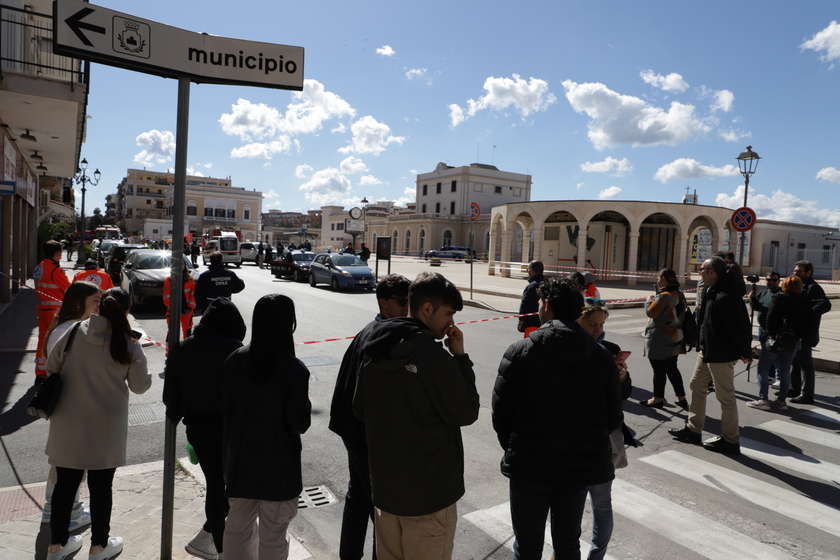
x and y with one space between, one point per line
798 462
823 414
798 431
779 500
697 533
496 522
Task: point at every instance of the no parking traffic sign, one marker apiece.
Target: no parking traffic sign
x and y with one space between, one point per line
743 219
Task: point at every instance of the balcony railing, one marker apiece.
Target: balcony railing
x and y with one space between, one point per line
26 47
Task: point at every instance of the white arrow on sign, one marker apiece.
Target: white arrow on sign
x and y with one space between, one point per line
91 32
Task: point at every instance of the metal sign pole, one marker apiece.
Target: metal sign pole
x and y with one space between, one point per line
471 247
179 203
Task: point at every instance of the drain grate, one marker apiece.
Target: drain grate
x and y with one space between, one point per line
316 496
140 414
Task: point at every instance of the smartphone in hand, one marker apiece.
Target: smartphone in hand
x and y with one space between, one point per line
622 356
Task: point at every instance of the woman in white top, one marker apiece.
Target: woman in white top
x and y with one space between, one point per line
81 300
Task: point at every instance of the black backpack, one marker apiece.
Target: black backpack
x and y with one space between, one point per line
689 325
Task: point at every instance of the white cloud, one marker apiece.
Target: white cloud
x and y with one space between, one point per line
623 119
826 42
192 171
579 186
270 194
611 192
386 50
327 186
416 73
671 82
456 115
160 147
306 114
370 137
830 174
723 101
303 171
733 135
621 167
686 168
409 197
524 96
783 207
369 180
351 165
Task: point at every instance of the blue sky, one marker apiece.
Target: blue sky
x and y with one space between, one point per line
611 100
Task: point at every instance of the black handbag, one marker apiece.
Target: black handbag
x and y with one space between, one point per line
784 342
43 403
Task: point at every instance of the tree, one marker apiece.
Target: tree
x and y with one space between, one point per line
98 220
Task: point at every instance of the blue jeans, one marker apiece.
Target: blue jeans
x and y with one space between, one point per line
602 519
529 507
783 362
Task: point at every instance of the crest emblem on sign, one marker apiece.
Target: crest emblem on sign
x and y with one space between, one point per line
130 38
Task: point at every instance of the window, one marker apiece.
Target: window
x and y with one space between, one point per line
208 212
191 210
339 227
423 209
424 189
452 207
407 240
453 185
149 201
497 190
154 231
447 237
396 237
438 188
246 212
422 246
437 207
231 214
220 213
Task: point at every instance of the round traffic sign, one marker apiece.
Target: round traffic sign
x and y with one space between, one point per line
743 219
475 211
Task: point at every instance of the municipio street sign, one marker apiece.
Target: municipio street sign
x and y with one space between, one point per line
743 219
83 30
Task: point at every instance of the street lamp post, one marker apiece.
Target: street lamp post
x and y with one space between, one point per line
365 202
83 179
748 163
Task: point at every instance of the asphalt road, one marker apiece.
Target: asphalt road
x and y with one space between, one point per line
674 499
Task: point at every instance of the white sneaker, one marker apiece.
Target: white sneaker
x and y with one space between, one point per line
74 543
777 384
79 520
760 404
203 546
111 550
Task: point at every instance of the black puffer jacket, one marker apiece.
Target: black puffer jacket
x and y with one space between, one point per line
192 387
556 399
725 334
796 310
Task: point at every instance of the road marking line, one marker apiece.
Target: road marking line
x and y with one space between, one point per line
798 431
823 414
796 462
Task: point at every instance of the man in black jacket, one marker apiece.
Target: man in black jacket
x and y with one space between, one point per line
530 299
217 281
556 399
725 337
803 363
392 298
413 397
192 391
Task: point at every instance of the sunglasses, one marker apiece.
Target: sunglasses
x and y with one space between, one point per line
594 302
401 301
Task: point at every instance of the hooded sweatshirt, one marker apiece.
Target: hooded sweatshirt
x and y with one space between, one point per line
192 386
556 399
413 397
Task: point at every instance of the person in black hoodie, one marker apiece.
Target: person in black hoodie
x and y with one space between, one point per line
725 337
216 281
530 299
266 409
392 298
192 392
413 397
556 399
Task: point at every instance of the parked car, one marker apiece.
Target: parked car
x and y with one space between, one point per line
340 271
449 252
116 257
249 251
294 265
101 251
143 273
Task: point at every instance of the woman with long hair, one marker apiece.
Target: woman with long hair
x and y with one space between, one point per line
81 300
266 408
89 427
790 315
663 346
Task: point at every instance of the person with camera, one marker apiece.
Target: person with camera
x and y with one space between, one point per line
790 319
